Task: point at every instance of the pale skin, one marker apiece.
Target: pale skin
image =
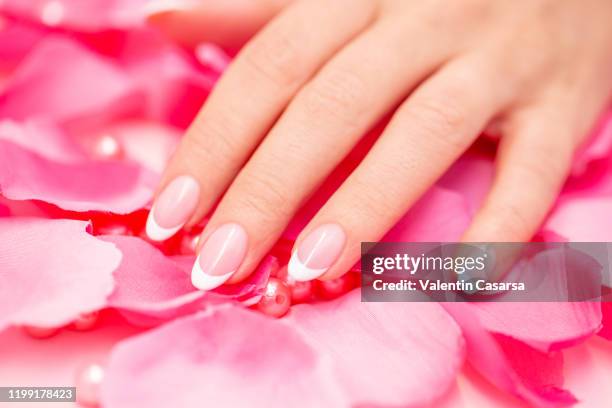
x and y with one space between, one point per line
319 74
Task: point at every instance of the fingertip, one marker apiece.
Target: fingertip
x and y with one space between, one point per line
203 281
156 232
300 272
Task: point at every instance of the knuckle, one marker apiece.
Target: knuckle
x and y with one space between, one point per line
211 142
275 59
263 195
549 170
336 96
372 203
441 120
510 221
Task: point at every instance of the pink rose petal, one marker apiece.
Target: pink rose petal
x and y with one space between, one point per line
90 15
532 375
598 146
583 218
440 216
548 326
606 321
412 350
51 271
543 325
152 287
102 186
342 353
42 138
229 357
77 84
173 83
16 40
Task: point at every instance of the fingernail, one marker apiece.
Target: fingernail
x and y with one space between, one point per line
317 253
220 257
167 6
173 208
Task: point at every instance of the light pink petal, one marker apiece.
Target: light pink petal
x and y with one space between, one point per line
339 354
61 80
440 216
583 218
51 271
229 357
471 176
145 142
42 138
532 375
548 325
414 350
152 287
598 146
543 325
90 15
101 186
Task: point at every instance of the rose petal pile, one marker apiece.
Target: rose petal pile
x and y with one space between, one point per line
92 102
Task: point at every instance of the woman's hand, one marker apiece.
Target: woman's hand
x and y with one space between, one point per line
304 90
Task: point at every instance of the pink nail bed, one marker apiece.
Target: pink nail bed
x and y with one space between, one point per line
317 252
220 257
173 208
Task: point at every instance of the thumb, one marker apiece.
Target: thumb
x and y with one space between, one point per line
228 23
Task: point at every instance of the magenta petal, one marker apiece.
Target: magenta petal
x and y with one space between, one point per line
152 287
527 373
343 353
4 211
606 321
99 186
51 271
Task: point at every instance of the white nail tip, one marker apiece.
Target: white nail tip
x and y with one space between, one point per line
165 6
203 281
155 232
300 272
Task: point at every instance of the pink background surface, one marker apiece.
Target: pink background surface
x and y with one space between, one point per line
25 361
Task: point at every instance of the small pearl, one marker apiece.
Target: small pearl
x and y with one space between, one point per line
189 244
52 13
114 229
107 147
301 292
276 299
86 321
41 332
88 382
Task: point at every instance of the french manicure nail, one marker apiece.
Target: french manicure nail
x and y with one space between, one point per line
154 7
220 257
173 208
317 253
